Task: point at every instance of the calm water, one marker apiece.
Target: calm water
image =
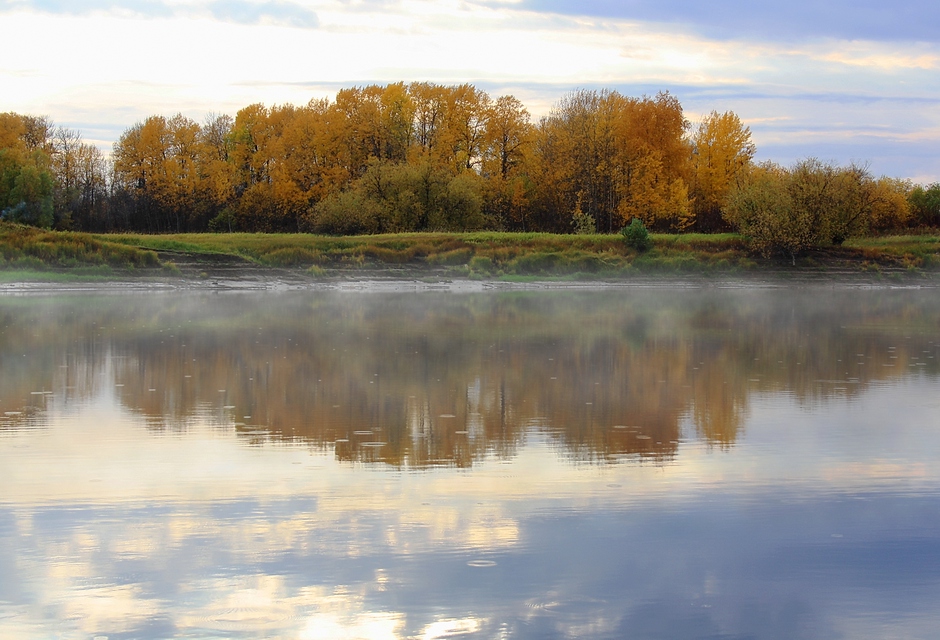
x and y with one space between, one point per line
626 464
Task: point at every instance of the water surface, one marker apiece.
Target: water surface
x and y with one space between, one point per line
630 463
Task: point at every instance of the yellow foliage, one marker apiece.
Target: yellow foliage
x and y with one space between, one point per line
722 150
891 208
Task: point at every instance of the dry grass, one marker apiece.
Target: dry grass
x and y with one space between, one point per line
481 254
25 247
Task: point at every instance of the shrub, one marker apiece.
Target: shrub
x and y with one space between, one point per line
636 236
583 223
481 263
813 204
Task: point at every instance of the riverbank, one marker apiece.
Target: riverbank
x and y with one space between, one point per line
36 256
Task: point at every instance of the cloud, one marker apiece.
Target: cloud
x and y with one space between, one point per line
149 8
280 12
917 20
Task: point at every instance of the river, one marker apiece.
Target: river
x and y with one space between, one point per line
614 463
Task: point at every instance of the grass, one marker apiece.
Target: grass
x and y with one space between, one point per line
914 253
485 254
25 248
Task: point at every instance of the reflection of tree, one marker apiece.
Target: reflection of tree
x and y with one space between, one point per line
418 380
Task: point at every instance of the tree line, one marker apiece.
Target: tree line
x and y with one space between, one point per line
422 156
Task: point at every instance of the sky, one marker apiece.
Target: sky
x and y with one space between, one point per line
843 81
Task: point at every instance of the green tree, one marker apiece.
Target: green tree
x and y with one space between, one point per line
925 204
27 187
401 197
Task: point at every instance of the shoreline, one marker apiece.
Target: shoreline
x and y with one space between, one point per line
48 261
282 280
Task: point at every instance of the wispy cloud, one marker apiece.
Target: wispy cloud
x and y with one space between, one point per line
279 12
796 71
148 8
910 20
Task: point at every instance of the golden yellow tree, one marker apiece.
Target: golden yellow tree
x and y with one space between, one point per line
217 170
430 106
160 166
508 139
722 150
653 165
613 158
891 206
463 133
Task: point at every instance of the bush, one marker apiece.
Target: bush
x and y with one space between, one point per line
291 257
482 264
925 204
636 236
811 204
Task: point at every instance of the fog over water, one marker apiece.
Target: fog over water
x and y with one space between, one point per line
614 463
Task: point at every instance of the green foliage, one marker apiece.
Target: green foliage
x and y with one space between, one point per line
925 204
345 213
636 236
224 222
481 264
761 208
400 197
811 204
582 222
26 188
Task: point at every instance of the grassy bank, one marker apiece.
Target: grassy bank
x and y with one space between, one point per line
468 254
31 251
483 254
521 254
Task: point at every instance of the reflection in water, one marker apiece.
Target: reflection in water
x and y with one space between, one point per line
640 464
419 380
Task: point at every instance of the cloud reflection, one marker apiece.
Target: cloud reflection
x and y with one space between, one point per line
799 492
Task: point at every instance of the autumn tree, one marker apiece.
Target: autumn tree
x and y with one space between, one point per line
462 136
721 151
761 208
812 204
216 169
575 160
654 160
614 158
506 146
890 204
266 200
158 165
430 107
81 175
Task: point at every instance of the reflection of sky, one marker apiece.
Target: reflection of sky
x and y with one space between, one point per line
821 521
